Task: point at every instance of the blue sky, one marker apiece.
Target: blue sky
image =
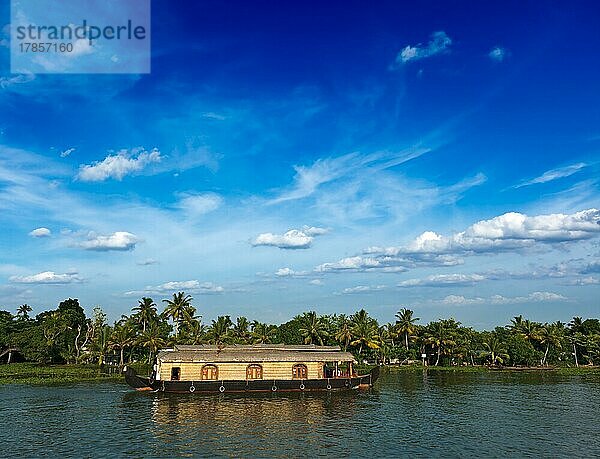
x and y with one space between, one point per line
280 158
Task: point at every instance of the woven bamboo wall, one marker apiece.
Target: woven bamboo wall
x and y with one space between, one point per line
237 371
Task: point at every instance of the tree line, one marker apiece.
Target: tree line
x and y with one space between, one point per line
67 335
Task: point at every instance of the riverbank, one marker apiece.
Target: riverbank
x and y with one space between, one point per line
486 369
36 374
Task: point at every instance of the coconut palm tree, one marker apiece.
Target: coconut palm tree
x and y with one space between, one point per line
551 335
23 311
439 336
219 332
146 312
343 335
263 333
178 309
494 350
195 332
405 324
365 331
241 330
152 340
122 337
313 329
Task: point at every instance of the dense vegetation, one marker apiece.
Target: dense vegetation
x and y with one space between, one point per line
66 335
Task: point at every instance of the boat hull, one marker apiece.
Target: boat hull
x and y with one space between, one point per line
259 385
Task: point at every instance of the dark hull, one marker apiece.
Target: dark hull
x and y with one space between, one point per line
262 385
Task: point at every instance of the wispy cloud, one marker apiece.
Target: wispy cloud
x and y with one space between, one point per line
535 297
554 174
189 286
438 43
8 82
67 152
498 54
308 179
47 277
362 289
147 262
195 205
444 280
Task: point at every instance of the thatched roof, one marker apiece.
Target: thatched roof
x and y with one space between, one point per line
255 353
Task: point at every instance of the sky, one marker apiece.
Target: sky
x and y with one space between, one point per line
290 156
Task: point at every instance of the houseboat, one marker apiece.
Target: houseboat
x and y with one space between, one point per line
252 368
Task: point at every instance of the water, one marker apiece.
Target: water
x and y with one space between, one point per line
408 414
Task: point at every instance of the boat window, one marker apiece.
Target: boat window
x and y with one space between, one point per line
299 371
254 371
175 374
210 372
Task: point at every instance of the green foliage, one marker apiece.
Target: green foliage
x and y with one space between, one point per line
66 335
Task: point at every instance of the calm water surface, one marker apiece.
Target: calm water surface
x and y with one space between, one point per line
407 414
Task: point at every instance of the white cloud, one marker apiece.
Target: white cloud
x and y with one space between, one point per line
7 82
118 166
40 232
147 262
509 231
292 239
189 286
314 231
443 280
67 152
288 272
388 263
535 297
438 43
199 204
459 299
47 277
362 289
582 281
554 174
316 282
120 240
498 54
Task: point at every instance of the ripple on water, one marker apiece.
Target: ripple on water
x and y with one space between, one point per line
408 414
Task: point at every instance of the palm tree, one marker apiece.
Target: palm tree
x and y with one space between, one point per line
529 330
146 312
551 335
152 340
23 311
219 332
178 309
365 331
343 335
405 323
241 330
263 333
495 350
439 337
195 332
123 336
313 328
